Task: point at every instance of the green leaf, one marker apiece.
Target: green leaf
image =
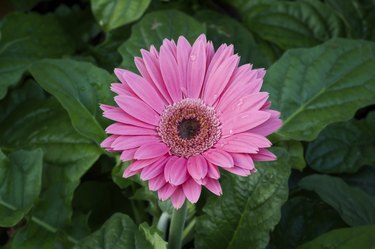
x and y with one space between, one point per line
247 211
294 24
318 86
364 179
67 156
111 14
345 238
295 152
26 38
223 29
153 28
353 204
117 232
152 236
79 87
343 147
20 184
303 219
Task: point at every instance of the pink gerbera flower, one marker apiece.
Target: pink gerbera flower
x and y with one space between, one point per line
192 112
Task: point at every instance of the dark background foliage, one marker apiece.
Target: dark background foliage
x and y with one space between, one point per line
59 189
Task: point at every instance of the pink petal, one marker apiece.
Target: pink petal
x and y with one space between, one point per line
166 191
272 125
238 171
244 122
175 171
214 186
153 67
243 143
138 109
223 52
137 165
120 89
117 114
107 143
125 129
197 167
196 69
129 172
219 157
130 142
192 190
151 150
143 89
127 155
210 51
178 198
183 52
243 161
213 171
264 155
154 169
154 184
218 79
247 103
169 71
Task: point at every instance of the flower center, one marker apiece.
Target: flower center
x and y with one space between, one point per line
189 127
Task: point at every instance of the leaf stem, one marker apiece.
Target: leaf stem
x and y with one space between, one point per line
163 224
177 226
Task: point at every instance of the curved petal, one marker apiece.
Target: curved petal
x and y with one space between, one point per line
178 198
154 169
192 190
136 166
143 89
151 150
238 171
243 160
157 182
169 72
125 129
218 79
213 171
175 171
183 52
130 142
243 143
120 89
264 155
127 155
196 69
219 157
138 109
214 186
244 122
166 191
273 124
197 167
107 143
153 68
117 114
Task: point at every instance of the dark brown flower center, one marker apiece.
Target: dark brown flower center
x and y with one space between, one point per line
188 128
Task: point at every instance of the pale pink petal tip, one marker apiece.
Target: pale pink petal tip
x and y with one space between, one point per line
191 113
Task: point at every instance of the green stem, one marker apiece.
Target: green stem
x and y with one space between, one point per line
163 224
176 228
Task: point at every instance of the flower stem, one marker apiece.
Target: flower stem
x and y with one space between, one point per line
177 227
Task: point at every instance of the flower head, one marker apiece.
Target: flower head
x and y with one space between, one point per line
191 113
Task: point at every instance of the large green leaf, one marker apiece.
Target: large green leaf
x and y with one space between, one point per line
26 38
364 178
343 147
318 86
79 87
353 204
117 232
294 24
303 219
111 14
247 211
295 153
345 238
223 29
153 28
20 184
67 156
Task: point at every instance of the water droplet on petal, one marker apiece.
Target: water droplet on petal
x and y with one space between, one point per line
193 57
230 131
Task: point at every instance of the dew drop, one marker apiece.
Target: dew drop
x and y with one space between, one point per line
193 57
230 131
